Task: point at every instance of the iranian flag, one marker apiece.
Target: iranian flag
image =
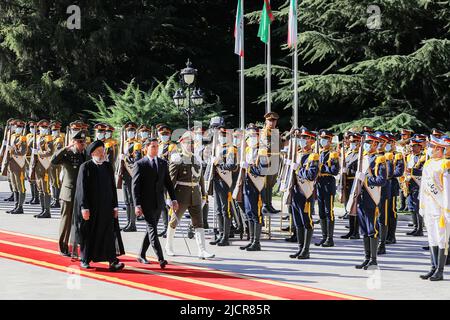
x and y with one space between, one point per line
292 25
264 23
239 30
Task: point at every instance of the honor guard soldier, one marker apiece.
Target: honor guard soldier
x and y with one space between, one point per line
270 140
326 187
372 176
43 153
85 128
111 145
437 133
435 205
17 150
10 127
403 143
255 165
203 152
398 166
351 166
134 153
70 158
187 178
224 164
413 171
33 186
55 170
143 134
306 169
166 148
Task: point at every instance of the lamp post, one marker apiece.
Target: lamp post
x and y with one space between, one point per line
195 96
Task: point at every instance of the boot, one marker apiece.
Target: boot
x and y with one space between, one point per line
323 226
366 253
220 224
293 237
419 231
33 194
19 209
200 239
132 222
36 195
330 232
255 246
205 216
46 213
351 224
41 201
16 200
355 234
10 198
251 234
226 233
414 219
301 241
305 252
439 273
55 203
434 251
383 234
391 232
169 242
373 253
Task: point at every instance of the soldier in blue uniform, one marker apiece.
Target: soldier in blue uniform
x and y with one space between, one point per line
373 177
306 170
326 187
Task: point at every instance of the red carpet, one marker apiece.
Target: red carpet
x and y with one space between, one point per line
177 280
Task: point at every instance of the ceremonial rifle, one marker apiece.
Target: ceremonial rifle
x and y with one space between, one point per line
6 153
357 184
290 173
342 176
4 142
286 162
66 138
209 170
238 189
121 165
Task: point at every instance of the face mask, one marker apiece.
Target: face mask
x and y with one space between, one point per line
100 136
55 133
164 138
198 136
352 146
367 147
144 135
380 146
108 135
13 128
429 152
32 131
235 141
301 142
99 160
388 147
131 134
323 142
43 131
18 130
252 141
222 139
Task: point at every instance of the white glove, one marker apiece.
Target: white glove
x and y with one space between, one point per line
361 176
4 143
295 165
8 148
121 157
244 165
169 202
34 151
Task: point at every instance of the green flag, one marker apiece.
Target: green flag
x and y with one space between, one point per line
264 22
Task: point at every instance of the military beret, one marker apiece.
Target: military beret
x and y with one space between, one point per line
94 145
272 115
110 127
76 125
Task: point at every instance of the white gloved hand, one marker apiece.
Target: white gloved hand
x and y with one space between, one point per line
34 151
121 157
244 165
295 165
361 176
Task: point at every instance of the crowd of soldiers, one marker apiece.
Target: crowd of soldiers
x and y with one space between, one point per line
367 171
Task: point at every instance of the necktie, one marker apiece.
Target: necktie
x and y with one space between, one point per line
154 165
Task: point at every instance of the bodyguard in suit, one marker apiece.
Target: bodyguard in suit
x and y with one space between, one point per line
71 158
150 179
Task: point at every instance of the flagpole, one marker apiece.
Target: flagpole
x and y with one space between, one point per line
268 75
295 105
241 87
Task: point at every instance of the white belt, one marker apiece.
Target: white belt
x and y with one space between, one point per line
186 184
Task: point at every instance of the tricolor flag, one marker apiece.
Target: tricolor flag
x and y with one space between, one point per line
264 23
292 25
239 31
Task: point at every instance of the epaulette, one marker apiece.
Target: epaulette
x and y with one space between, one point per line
107 145
23 139
248 149
380 159
334 155
175 157
423 158
446 164
48 138
171 147
262 152
112 142
313 157
30 134
389 156
59 139
398 156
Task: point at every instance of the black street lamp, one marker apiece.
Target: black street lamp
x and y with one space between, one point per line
195 96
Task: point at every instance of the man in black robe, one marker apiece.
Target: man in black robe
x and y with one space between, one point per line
97 211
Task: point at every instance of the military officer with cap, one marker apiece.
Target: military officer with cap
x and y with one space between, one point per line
9 126
224 164
44 153
17 150
30 139
70 158
326 187
186 175
55 170
270 140
435 205
373 176
306 169
143 133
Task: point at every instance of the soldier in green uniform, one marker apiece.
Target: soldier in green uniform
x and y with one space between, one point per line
186 175
55 170
16 165
9 126
70 158
33 186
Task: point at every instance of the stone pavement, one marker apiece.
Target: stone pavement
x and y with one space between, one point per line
329 268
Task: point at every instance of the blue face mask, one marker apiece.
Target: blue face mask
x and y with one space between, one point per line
367 147
100 136
55 133
323 142
352 146
131 134
235 141
144 135
107 135
164 138
18 130
43 131
301 142
222 139
388 147
32 130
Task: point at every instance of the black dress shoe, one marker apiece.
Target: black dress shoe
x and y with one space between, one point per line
11 198
129 229
65 254
142 260
45 215
285 229
85 265
116 266
162 233
355 236
35 201
285 217
427 248
162 264
140 218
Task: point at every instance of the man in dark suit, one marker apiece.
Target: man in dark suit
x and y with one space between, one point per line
150 180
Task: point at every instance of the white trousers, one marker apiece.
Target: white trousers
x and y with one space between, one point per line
436 236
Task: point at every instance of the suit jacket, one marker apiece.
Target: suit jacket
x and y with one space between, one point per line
148 187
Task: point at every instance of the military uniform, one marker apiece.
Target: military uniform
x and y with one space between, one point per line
17 150
55 170
373 177
326 189
70 160
403 143
10 126
30 140
111 146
